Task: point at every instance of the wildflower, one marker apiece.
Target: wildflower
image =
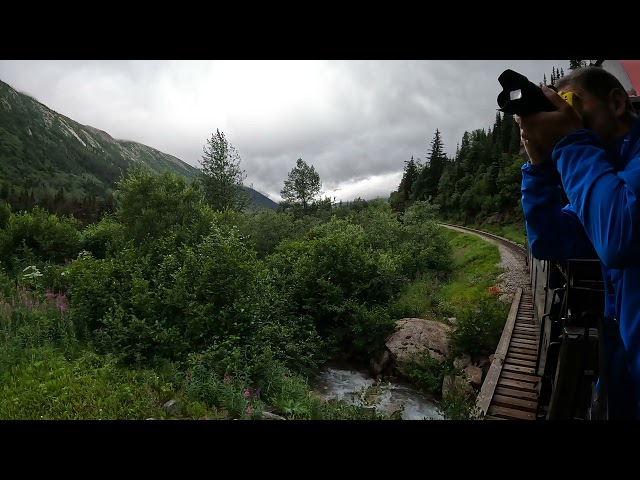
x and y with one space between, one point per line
226 378
50 294
246 394
248 411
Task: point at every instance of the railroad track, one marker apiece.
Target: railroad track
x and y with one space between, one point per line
513 246
509 390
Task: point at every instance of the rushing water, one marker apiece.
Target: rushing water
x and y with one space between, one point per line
350 385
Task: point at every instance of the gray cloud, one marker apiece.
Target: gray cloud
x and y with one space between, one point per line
356 122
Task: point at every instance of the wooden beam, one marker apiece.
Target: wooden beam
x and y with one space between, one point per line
491 380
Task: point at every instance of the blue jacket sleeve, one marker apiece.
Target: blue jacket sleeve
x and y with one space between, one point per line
605 199
554 233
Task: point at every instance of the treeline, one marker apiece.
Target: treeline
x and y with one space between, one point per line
88 209
481 181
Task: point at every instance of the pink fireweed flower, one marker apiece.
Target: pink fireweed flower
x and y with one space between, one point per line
248 411
246 394
50 294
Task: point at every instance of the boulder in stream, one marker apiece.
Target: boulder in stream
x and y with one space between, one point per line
414 336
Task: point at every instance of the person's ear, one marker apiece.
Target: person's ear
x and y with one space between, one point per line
618 100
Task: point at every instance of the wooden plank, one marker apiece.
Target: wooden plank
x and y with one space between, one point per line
521 347
533 330
516 384
491 380
522 356
517 403
510 392
526 329
491 417
520 338
508 367
511 413
527 348
525 326
517 337
525 336
519 342
525 351
520 376
519 361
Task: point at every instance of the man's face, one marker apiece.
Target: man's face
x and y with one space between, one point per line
597 115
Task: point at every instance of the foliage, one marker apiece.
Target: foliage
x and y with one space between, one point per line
30 319
104 238
330 274
265 230
43 384
37 237
150 206
49 160
425 248
221 175
459 404
301 186
426 372
475 269
480 327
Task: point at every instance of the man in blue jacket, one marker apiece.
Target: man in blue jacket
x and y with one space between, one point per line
596 158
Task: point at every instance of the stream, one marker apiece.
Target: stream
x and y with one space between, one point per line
346 383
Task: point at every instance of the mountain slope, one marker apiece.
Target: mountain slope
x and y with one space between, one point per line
43 152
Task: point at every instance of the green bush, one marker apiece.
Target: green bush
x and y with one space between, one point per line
37 237
426 372
104 238
330 274
265 230
459 404
480 327
150 206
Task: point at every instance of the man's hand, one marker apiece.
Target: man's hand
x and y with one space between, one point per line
536 155
541 131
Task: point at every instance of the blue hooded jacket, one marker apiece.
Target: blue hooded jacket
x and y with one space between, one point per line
602 218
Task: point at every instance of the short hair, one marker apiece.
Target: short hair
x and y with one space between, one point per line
595 80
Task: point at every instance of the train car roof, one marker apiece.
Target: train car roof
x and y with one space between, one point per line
628 72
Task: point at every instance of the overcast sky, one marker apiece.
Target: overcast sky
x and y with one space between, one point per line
355 121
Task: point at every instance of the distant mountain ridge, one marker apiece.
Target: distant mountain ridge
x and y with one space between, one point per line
43 153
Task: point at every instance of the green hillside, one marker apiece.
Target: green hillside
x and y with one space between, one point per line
47 158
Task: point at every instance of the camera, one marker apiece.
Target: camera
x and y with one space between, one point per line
520 96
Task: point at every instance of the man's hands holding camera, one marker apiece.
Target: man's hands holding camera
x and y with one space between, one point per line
541 131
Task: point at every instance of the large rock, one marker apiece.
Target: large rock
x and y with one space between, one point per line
414 336
474 375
